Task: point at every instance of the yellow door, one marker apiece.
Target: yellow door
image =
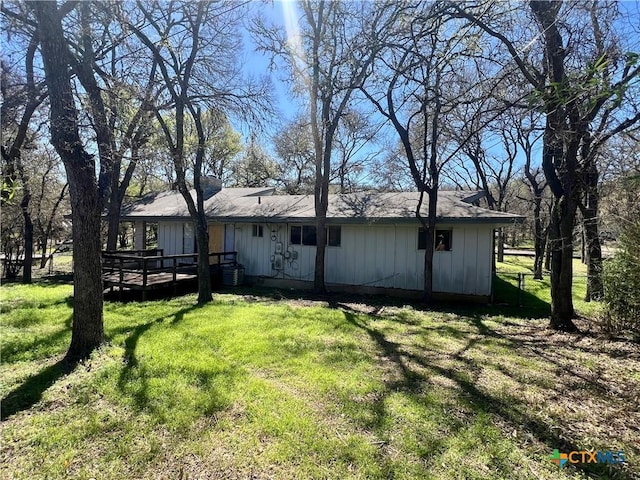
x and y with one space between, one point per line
216 241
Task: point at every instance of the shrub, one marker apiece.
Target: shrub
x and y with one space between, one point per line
622 280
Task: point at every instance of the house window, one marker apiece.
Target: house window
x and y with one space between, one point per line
295 235
334 236
189 244
258 231
422 239
442 243
303 235
309 235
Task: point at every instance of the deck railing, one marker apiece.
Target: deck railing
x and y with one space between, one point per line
140 261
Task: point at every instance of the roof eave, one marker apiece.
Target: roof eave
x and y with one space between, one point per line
369 220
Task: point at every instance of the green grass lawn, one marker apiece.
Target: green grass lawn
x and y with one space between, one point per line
253 387
536 294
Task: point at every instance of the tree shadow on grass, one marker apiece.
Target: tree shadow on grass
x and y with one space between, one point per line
134 334
30 392
505 304
127 295
143 379
55 280
131 361
48 281
11 350
416 368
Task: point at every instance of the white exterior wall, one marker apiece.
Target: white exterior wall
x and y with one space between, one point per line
375 256
466 269
253 252
176 237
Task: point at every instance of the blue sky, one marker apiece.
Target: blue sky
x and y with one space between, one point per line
274 13
257 63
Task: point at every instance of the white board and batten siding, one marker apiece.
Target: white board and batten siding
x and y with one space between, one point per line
466 269
374 256
254 253
176 237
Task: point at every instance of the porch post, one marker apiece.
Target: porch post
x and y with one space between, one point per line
139 235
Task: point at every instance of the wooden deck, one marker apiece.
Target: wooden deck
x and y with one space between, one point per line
136 280
146 270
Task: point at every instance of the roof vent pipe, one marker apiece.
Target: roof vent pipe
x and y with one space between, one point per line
259 200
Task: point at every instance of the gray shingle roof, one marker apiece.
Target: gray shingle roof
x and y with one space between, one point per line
171 204
259 205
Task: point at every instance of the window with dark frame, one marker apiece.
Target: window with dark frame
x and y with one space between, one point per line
258 231
442 240
422 239
334 235
295 235
309 236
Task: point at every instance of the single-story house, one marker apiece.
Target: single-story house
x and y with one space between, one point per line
375 244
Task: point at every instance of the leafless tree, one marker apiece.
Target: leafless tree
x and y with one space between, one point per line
328 58
586 88
355 150
487 159
295 157
197 71
418 88
86 199
21 98
255 167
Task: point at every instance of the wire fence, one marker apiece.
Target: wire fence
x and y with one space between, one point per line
521 289
60 264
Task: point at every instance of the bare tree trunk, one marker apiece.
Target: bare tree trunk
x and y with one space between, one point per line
28 247
321 208
595 287
561 246
87 329
539 240
202 226
583 243
204 270
429 225
319 285
563 182
113 225
196 210
501 244
27 265
547 252
47 231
